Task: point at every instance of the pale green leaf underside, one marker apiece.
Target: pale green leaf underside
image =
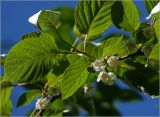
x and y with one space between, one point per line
93 17
112 46
73 78
125 15
28 96
31 59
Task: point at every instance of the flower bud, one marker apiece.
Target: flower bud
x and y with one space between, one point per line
107 78
42 103
99 65
112 61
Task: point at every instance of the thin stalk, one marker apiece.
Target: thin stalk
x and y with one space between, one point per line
138 53
74 44
71 45
85 42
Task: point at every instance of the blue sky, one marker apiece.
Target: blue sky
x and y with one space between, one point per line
14 23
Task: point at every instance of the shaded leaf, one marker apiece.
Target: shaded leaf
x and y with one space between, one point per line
135 74
28 97
31 35
5 84
125 15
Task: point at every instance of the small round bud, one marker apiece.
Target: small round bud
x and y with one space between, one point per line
112 61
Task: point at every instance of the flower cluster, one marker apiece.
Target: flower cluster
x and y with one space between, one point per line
99 65
42 103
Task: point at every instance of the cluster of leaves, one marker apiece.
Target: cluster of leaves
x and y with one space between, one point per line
50 57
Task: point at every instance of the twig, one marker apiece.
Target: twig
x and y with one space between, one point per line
72 46
138 53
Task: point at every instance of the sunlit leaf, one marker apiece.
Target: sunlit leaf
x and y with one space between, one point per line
31 59
73 78
93 17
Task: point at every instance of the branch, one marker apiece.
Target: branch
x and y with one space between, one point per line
138 53
72 46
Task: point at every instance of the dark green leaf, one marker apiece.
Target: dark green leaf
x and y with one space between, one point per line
31 35
125 15
5 84
134 73
73 78
93 17
28 96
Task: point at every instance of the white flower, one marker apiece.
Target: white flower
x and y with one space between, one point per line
99 65
155 10
106 78
42 103
112 61
33 19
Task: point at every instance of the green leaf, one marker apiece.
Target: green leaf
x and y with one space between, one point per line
155 52
27 97
73 78
49 20
106 48
31 35
93 17
58 105
157 29
53 80
6 104
135 74
89 47
72 58
65 29
150 4
31 59
143 33
125 15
